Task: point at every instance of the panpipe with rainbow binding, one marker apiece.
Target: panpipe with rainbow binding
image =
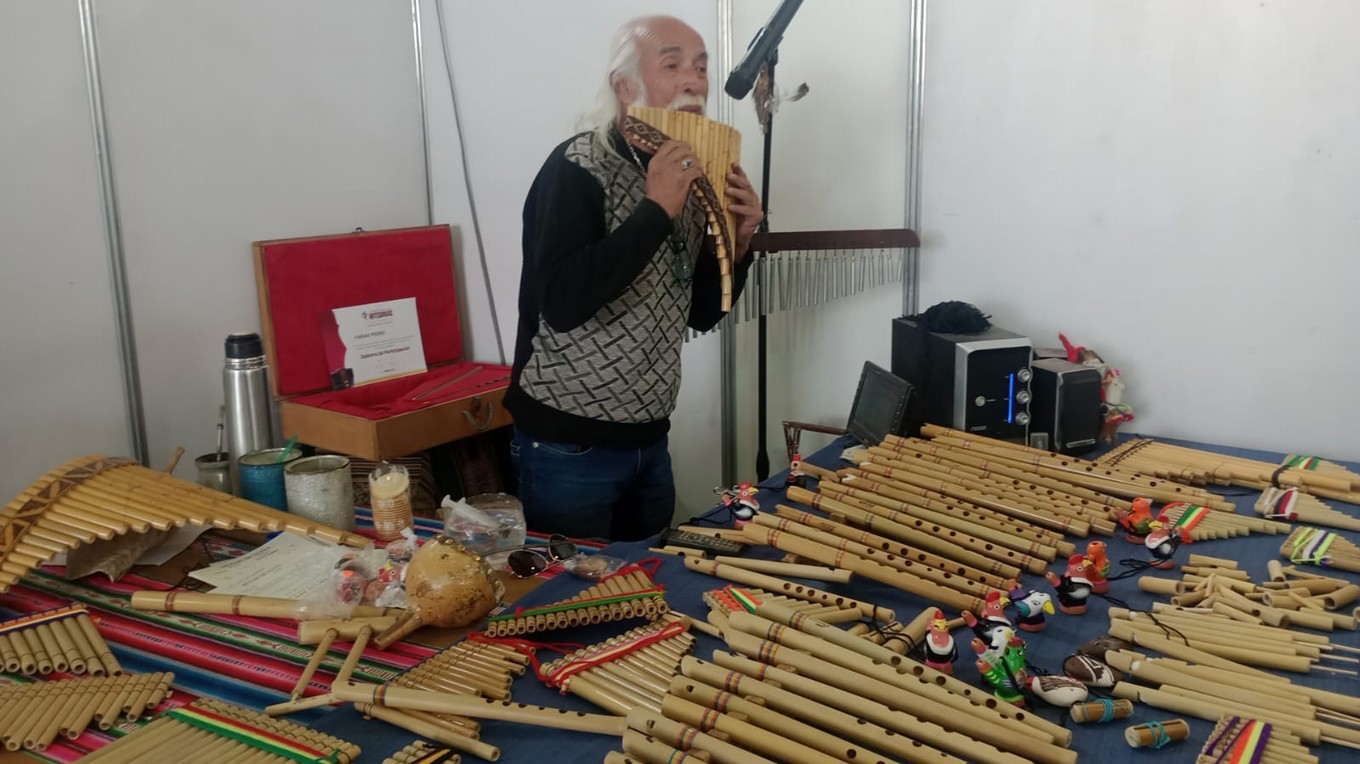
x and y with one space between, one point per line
632 670
210 730
58 640
628 593
1197 523
34 715
99 497
718 147
1238 740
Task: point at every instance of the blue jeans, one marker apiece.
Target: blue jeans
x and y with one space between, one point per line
622 494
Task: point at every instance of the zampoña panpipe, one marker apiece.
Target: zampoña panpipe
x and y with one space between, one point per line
421 752
1293 505
1238 739
1190 465
210 730
632 670
1201 523
722 601
34 715
627 593
1111 479
718 147
58 640
99 497
851 687
1315 546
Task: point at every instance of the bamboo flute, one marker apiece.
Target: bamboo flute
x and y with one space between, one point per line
233 604
479 708
649 750
780 586
687 738
744 734
776 568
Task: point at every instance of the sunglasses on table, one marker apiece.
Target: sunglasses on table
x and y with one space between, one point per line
532 559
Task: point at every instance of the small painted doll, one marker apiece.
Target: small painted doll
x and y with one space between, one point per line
1073 587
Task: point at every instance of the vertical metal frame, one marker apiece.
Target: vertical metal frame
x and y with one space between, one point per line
113 232
727 332
916 82
424 120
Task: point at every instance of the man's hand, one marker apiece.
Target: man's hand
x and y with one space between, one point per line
744 205
672 170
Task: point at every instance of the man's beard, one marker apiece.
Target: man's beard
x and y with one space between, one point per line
677 103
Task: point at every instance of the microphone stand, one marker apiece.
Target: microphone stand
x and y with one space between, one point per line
762 454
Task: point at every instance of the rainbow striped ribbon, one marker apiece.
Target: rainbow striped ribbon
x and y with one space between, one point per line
1311 545
251 736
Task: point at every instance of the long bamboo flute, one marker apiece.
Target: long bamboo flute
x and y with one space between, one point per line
479 708
745 734
690 739
796 570
779 585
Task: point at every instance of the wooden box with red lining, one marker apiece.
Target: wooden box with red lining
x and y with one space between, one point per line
300 281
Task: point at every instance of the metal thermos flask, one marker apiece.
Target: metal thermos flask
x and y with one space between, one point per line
245 381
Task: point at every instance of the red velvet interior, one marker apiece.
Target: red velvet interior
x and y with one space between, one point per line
307 279
381 400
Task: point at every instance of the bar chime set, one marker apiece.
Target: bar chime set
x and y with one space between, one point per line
98 497
1189 465
797 689
627 594
209 730
59 641
34 715
1220 633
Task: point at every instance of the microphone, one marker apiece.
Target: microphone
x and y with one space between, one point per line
761 50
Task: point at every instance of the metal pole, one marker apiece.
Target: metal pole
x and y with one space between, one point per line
911 259
727 329
424 120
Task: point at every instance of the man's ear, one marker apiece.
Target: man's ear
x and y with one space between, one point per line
625 89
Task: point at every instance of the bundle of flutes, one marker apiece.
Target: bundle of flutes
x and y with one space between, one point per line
58 640
1105 479
629 593
1291 504
98 497
1315 546
824 687
210 730
629 671
421 752
1241 739
34 715
1189 465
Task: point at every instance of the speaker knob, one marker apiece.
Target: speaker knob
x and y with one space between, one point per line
1022 396
1023 375
980 401
1022 418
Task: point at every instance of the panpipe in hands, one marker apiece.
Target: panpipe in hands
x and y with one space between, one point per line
628 593
99 497
211 730
58 640
629 671
34 715
718 147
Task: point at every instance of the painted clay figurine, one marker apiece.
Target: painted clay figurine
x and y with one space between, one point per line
993 617
939 651
1002 663
1098 567
1073 587
1031 605
1136 522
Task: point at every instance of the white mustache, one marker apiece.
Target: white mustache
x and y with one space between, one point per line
684 100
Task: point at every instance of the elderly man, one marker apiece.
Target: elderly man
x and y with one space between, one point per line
613 274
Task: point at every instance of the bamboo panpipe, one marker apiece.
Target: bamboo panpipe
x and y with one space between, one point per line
927 536
790 569
58 640
1239 739
1318 547
907 582
913 739
1025 539
1193 465
1006 472
923 565
772 721
1205 634
32 716
1291 504
775 585
1204 706
628 593
849 671
629 671
1225 524
100 497
1166 675
479 708
967 479
690 740
936 551
1156 734
1100 475
421 752
234 604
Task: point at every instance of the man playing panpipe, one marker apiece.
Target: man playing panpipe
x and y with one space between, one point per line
612 276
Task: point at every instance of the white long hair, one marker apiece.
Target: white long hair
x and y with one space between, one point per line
624 62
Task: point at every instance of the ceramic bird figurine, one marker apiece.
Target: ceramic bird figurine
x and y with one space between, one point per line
1073 587
1002 663
1137 521
938 650
1031 606
1097 567
993 617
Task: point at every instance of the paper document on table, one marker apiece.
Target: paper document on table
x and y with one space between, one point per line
287 566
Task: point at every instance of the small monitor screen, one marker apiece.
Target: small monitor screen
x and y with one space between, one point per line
880 407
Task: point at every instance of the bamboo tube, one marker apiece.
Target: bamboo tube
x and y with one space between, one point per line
649 750
478 708
233 604
1156 734
1167 676
1310 733
775 568
688 738
312 632
1207 634
1329 732
1140 632
742 733
1107 710
778 585
322 648
1341 597
867 568
433 732
1177 649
